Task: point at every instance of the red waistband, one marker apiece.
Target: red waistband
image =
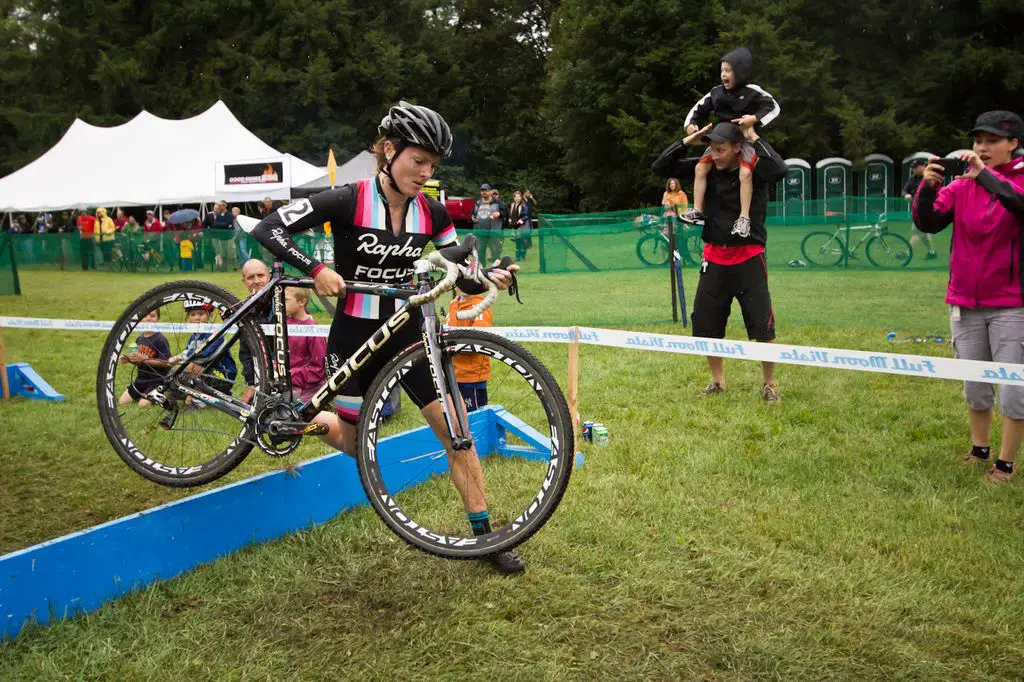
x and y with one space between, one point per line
731 255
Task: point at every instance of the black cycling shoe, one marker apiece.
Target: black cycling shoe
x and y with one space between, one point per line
508 562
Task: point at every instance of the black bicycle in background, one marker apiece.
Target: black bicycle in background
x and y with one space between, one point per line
196 428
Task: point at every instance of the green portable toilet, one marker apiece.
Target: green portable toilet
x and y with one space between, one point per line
908 167
875 182
835 182
793 192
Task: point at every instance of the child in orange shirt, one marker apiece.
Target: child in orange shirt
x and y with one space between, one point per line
472 370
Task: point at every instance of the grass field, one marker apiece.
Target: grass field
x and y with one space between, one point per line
829 537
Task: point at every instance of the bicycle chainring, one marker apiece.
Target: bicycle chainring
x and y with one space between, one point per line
276 409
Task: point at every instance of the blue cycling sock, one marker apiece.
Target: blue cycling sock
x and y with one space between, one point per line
479 522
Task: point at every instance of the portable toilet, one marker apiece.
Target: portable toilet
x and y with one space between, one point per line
876 181
793 192
835 181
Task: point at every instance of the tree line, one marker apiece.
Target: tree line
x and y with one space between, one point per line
571 99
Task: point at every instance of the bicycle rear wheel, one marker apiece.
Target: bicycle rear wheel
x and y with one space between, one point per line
175 439
523 441
652 250
889 250
822 248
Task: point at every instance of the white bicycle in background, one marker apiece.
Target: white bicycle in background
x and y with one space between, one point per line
884 249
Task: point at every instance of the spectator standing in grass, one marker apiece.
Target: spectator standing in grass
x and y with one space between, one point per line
985 206
87 232
241 239
674 199
107 232
185 249
219 228
909 191
733 263
487 224
521 220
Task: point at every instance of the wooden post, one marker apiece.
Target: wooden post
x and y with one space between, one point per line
5 390
574 379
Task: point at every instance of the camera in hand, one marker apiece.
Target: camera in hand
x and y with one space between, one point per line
952 168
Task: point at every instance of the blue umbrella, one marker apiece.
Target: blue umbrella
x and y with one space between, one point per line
185 215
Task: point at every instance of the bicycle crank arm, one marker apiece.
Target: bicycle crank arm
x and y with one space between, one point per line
278 429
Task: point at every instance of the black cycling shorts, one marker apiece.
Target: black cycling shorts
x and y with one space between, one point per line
347 335
719 285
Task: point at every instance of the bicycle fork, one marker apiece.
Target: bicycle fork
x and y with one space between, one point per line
444 376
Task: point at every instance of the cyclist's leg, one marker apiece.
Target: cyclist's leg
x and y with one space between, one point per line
340 434
348 333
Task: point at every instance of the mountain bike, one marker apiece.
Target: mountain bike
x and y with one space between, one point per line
883 248
196 430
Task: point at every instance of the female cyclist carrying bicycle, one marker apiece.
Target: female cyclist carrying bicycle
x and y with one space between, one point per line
381 225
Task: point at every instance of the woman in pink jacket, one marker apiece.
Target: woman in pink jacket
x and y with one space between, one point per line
986 285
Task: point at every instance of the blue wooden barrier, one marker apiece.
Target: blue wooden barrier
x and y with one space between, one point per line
77 573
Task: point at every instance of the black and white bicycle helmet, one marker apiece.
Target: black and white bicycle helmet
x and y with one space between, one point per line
420 126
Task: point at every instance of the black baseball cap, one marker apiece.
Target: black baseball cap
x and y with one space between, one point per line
1001 123
485 186
724 132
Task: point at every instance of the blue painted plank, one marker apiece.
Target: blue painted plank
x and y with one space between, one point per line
80 571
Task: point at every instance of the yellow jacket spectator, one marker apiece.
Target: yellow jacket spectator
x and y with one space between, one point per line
106 226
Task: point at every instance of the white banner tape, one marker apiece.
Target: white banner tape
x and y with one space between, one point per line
808 356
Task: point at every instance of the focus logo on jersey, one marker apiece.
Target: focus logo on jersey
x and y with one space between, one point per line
369 244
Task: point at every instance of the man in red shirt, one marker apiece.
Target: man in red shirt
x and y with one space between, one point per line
87 232
733 264
152 224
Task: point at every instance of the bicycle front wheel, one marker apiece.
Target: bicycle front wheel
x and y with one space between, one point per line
160 430
822 248
889 250
515 474
652 250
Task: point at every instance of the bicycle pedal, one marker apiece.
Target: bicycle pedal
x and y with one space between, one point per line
316 430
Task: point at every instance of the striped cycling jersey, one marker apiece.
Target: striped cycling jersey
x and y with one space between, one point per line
366 249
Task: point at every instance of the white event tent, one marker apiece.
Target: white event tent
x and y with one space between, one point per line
151 161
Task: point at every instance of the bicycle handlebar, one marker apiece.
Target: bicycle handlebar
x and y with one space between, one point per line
435 261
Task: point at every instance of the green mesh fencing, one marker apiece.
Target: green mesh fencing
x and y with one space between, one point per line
793 212
852 242
621 240
160 252
9 283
